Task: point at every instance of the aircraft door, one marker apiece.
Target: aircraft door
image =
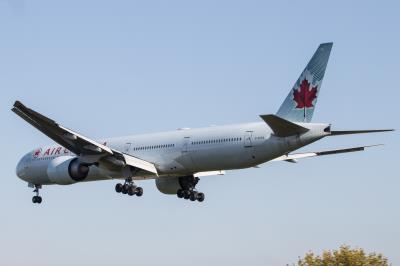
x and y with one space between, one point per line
185 145
127 147
186 158
248 141
248 145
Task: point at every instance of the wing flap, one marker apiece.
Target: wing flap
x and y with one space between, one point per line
200 174
139 163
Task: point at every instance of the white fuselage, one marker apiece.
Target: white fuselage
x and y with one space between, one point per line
182 152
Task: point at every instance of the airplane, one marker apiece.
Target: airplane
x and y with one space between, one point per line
177 159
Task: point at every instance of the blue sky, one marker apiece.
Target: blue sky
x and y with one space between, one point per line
109 68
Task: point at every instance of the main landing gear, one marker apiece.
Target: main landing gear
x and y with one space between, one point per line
129 187
37 199
188 190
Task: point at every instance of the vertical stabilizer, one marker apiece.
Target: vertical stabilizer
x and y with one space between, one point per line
300 103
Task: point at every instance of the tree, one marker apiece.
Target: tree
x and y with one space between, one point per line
345 256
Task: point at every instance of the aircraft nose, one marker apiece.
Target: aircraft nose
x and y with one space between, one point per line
20 169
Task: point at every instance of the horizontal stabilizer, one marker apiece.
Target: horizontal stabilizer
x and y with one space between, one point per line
349 132
292 158
282 127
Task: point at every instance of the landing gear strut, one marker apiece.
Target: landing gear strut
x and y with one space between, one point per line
129 187
188 190
37 199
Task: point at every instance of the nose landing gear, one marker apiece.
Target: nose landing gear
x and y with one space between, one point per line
37 199
129 187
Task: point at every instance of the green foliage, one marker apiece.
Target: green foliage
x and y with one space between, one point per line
345 256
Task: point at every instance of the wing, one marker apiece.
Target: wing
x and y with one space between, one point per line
78 144
292 158
209 173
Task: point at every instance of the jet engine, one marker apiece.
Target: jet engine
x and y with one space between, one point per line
171 185
183 187
168 185
66 170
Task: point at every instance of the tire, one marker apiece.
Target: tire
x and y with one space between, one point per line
139 191
131 191
193 196
39 199
34 200
179 193
200 197
118 188
186 194
125 189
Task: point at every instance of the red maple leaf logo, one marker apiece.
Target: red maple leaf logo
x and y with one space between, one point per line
305 95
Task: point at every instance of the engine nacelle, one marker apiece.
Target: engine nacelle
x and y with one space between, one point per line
168 185
66 170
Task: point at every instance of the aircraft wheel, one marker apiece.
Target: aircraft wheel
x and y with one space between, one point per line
131 191
125 189
37 199
179 193
193 196
139 191
186 194
118 188
200 197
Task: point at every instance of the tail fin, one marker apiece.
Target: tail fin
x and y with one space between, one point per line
300 103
